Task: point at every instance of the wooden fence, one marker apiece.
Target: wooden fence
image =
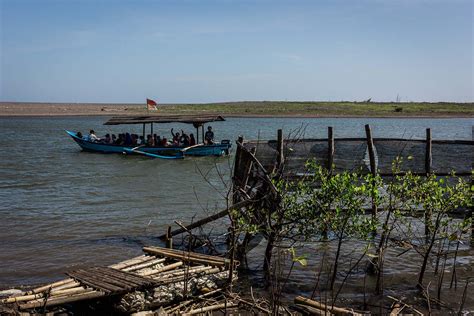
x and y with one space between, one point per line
368 154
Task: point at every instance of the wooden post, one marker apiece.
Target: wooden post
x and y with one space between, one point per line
280 149
202 129
428 161
373 170
370 146
197 135
428 157
169 238
235 181
330 149
144 131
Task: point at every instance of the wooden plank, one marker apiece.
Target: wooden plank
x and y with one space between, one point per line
93 281
126 276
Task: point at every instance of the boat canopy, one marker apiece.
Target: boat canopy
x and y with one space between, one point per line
196 120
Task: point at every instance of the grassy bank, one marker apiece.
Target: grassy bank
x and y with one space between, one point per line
282 108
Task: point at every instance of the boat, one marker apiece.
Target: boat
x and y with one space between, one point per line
164 152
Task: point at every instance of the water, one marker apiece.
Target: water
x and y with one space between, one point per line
61 208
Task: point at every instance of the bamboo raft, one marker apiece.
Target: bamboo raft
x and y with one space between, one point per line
157 267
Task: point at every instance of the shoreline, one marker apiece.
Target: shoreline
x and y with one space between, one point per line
59 115
248 109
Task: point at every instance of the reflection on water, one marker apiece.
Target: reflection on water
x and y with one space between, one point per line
61 208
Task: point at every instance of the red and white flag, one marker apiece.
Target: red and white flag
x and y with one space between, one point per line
151 105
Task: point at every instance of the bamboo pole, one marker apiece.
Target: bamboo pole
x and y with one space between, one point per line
179 278
171 274
185 255
61 300
211 308
144 265
335 310
131 262
163 269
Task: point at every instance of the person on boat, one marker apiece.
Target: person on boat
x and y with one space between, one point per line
209 136
114 139
92 136
157 139
149 141
141 140
184 139
192 140
79 134
164 142
128 139
107 139
176 138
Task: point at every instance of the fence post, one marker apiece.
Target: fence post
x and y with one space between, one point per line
280 149
428 157
428 164
330 149
373 170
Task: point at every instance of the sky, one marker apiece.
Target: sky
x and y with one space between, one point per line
211 51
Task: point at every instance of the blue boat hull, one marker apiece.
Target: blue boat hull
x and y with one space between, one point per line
204 150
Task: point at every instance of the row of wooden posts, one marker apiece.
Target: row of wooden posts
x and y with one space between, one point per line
280 158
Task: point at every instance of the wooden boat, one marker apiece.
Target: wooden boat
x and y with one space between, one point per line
164 152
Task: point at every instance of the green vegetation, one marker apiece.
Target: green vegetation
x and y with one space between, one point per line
324 207
277 108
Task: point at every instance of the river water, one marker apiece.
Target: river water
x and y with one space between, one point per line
61 208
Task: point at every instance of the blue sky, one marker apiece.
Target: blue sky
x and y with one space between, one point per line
207 51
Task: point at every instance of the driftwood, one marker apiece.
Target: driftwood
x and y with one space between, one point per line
325 308
211 308
206 220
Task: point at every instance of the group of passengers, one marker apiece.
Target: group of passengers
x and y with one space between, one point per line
128 139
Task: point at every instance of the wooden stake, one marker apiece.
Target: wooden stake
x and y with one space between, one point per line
428 157
370 146
169 238
330 148
280 148
373 169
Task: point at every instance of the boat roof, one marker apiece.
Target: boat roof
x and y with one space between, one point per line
145 119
